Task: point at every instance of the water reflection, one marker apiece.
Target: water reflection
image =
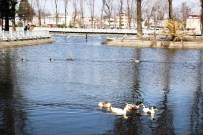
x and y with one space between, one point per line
12 112
59 97
197 110
165 121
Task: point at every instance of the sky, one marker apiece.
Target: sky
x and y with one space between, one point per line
49 6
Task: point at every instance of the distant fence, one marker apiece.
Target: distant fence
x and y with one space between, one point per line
20 34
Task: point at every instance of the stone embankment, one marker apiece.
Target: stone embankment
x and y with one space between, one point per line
192 44
28 42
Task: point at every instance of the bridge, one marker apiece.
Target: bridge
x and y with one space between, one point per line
90 31
43 32
107 31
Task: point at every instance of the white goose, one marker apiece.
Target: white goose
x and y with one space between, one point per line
119 111
149 111
104 105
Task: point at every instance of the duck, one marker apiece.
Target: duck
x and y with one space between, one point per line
119 111
135 107
69 59
150 111
136 60
51 59
23 59
104 105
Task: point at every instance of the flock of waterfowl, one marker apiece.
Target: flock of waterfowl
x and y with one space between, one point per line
139 108
51 59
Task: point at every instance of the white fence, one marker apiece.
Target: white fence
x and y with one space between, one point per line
20 34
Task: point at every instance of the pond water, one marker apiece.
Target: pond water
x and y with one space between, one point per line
41 93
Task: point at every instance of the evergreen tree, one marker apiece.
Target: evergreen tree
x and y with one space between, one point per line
7 11
25 11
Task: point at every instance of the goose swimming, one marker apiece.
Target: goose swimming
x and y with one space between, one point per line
104 105
119 111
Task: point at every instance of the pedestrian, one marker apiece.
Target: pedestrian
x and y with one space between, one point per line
28 26
25 29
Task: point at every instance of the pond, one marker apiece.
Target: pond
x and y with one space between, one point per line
43 93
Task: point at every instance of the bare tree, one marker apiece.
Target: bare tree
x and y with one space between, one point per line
91 6
40 5
55 5
185 10
75 11
139 18
82 12
130 4
170 9
120 3
201 2
158 11
147 10
108 9
65 2
102 14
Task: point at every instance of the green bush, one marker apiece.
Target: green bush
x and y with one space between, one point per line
20 24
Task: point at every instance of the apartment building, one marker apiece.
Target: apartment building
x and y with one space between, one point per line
193 23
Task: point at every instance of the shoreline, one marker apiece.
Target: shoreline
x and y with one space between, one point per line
136 43
22 43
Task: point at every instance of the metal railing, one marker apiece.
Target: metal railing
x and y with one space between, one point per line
20 34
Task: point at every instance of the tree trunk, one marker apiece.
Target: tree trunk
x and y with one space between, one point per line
13 25
39 18
1 23
202 18
6 23
56 11
92 22
139 18
170 9
65 16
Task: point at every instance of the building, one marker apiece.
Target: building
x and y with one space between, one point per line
50 21
121 21
193 23
108 22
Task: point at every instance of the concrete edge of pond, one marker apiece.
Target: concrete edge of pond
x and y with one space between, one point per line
22 43
155 44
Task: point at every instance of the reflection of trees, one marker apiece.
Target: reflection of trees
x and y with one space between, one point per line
165 122
13 117
135 92
132 125
197 110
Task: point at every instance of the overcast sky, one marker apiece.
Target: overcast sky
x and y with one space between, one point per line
176 3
